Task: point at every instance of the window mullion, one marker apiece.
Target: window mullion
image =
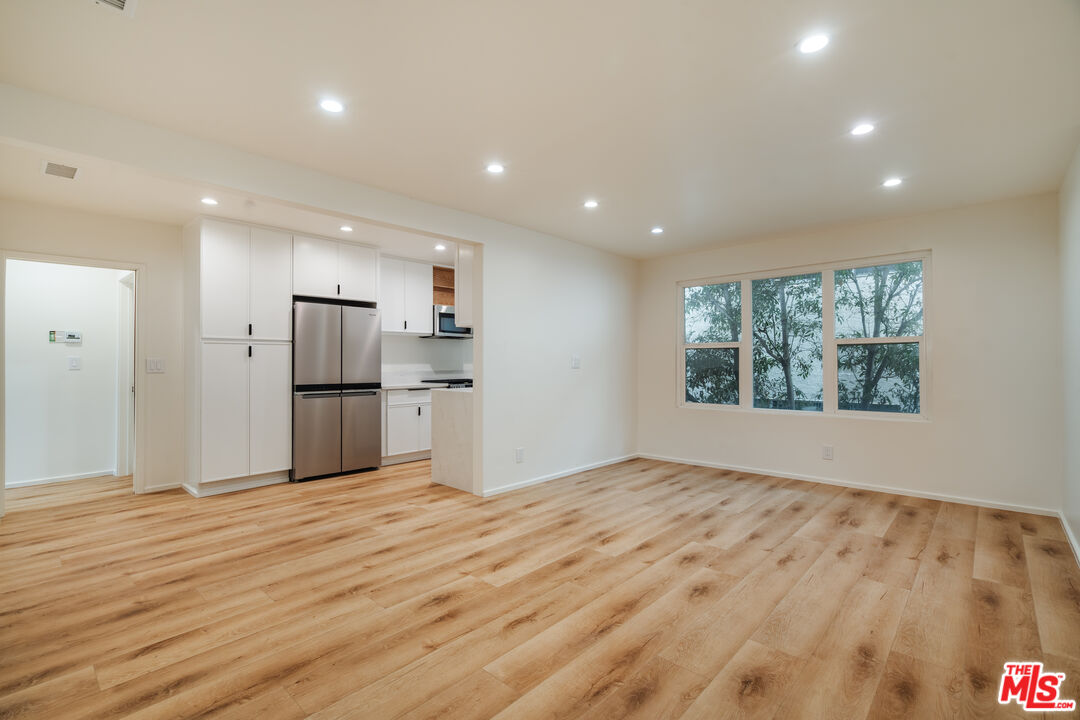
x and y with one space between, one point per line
746 363
830 395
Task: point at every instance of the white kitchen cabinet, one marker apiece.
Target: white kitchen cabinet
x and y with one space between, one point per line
225 411
246 409
392 294
408 423
271 284
315 267
358 269
329 268
418 298
405 296
270 408
245 282
224 262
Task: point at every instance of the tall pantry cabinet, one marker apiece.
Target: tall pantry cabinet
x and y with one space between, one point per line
238 325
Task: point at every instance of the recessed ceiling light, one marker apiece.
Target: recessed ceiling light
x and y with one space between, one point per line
440 247
862 129
591 204
892 182
346 228
813 43
209 201
495 168
331 105
657 230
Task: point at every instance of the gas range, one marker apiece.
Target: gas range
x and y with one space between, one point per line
452 382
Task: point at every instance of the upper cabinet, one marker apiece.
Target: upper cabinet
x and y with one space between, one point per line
406 296
245 282
329 268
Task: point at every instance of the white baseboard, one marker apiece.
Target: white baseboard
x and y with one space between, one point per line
859 486
159 488
1071 535
61 478
406 457
554 476
219 487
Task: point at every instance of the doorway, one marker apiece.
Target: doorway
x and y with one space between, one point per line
69 372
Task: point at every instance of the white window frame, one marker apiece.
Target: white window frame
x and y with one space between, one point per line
829 341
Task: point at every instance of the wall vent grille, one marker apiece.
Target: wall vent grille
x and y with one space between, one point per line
63 171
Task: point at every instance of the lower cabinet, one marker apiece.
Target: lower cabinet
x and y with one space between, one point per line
246 413
408 422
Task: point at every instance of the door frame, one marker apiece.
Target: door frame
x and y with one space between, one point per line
125 378
139 476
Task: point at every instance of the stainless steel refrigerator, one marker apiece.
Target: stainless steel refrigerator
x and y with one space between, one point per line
337 376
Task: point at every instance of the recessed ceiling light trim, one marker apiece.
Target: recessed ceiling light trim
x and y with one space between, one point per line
591 204
863 128
331 105
440 247
657 230
346 228
209 201
495 168
893 182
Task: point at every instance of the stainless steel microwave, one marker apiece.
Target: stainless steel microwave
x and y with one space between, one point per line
443 324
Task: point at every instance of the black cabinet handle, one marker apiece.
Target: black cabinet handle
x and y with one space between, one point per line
249 351
418 411
406 324
249 328
339 289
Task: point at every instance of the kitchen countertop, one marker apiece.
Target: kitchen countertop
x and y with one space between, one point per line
413 382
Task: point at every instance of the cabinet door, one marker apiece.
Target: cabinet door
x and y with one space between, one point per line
271 285
402 429
315 267
224 270
358 270
270 412
419 292
424 439
392 294
224 411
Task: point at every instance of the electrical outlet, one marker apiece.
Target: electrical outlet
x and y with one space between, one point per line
74 363
575 362
826 452
519 455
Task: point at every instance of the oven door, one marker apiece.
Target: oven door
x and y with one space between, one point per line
444 325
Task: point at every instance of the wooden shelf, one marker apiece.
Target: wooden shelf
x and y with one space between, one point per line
443 282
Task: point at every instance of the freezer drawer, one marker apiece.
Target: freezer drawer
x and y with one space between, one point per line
316 344
316 434
361 430
361 346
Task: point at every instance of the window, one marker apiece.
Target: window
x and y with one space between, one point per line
842 338
712 329
879 327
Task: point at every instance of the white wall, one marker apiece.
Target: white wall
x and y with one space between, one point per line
994 327
60 423
403 354
32 228
1070 279
543 303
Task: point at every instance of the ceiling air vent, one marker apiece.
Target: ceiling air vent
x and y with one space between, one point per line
64 171
125 6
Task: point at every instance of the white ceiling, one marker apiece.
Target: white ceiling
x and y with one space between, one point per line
699 115
114 189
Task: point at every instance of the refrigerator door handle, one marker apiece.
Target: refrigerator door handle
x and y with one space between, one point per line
354 393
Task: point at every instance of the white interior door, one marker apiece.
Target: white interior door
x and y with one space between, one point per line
419 298
358 269
392 294
224 271
271 285
315 267
225 414
270 408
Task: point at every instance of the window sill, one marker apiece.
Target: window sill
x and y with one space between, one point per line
839 414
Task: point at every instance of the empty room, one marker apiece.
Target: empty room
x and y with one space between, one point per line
648 359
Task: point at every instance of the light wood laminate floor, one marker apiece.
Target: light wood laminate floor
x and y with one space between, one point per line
641 590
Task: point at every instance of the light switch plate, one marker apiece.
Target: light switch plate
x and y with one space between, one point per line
155 366
826 452
575 362
74 363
